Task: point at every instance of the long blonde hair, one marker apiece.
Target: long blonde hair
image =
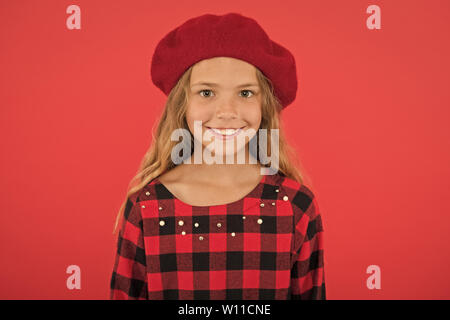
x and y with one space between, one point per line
157 159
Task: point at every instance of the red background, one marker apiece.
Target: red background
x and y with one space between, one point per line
370 124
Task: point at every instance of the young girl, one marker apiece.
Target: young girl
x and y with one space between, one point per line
199 229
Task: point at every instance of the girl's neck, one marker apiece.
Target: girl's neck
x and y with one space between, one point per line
226 174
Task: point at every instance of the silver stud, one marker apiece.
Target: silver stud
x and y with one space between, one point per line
261 205
259 221
161 223
285 198
273 203
147 193
180 222
243 217
143 207
183 233
160 208
278 190
196 224
219 224
233 234
200 238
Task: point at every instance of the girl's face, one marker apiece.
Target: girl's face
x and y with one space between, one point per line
224 94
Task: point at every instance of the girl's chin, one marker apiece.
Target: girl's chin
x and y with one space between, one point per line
224 149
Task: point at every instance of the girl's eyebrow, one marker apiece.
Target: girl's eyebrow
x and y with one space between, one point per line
216 85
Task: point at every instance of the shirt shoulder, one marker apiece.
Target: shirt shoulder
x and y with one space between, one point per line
300 195
153 190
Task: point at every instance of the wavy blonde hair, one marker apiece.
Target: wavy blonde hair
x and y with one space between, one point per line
157 159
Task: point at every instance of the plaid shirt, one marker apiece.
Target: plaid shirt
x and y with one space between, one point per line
268 245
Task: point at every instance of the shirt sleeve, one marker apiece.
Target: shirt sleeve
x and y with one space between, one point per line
129 279
307 273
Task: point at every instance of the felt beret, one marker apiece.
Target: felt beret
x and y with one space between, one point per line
230 35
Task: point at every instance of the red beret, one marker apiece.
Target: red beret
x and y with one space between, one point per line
230 35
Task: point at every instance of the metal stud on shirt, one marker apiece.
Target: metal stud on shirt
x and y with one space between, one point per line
219 224
273 203
147 193
183 233
260 221
180 222
196 224
160 208
285 198
278 190
200 238
243 217
143 207
233 234
262 205
161 223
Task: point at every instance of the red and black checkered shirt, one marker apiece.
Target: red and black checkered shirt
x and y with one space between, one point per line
268 245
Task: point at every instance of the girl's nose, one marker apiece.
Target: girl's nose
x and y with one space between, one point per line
226 115
227 110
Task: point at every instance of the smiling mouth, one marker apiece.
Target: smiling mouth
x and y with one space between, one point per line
225 133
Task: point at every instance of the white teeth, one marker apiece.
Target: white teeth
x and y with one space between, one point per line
225 132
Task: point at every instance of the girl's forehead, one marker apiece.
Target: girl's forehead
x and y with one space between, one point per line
223 70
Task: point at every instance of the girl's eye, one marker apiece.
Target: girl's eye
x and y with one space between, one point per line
205 91
248 91
210 92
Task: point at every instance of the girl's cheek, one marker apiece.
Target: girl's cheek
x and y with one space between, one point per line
253 113
197 115
198 111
